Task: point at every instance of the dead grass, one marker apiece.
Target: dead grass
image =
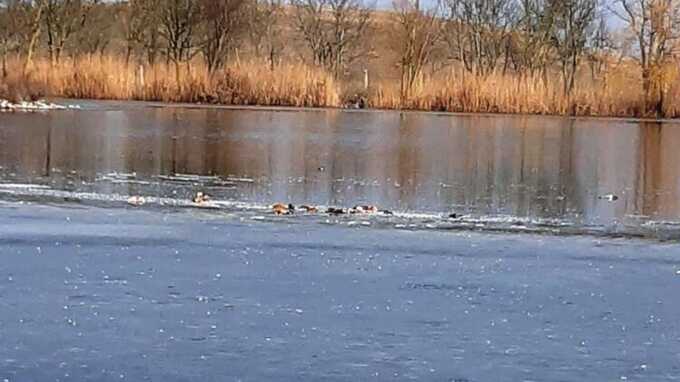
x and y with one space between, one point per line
614 95
618 93
248 83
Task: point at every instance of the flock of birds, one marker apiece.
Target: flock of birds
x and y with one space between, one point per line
203 200
280 209
290 209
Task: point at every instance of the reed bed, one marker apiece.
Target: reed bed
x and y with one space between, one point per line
248 83
614 94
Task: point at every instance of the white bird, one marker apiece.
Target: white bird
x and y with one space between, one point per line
609 197
136 201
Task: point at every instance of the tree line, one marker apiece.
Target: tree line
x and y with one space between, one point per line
532 38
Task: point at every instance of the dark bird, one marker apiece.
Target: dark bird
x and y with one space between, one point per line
335 211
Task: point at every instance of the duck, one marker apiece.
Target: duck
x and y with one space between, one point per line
609 197
309 209
335 211
136 201
201 198
367 210
282 209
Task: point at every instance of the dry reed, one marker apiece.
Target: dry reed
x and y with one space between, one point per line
248 83
613 95
616 93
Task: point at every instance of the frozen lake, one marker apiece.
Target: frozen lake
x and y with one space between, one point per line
91 294
507 172
561 263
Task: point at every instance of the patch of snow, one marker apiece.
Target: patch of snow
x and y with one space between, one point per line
34 106
240 179
22 186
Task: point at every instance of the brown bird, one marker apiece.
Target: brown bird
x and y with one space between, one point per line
365 210
309 209
282 209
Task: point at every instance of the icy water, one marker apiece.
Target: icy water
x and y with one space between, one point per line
94 289
497 172
93 294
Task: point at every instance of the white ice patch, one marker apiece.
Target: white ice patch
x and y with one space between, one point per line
34 106
21 186
240 180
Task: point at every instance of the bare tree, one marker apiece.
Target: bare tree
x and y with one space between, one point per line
531 49
602 49
655 27
37 12
97 31
333 30
265 29
178 23
12 26
418 30
221 19
478 30
572 29
63 19
140 20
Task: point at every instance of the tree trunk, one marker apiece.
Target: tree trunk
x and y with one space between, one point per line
34 36
177 75
647 89
657 84
57 56
151 56
660 113
128 54
4 62
271 59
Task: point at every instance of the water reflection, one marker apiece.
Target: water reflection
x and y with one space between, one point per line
486 165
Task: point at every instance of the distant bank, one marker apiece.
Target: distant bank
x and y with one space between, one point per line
298 85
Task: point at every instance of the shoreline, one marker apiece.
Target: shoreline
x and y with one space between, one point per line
272 108
304 87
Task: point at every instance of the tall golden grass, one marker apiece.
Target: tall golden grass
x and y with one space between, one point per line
615 94
249 83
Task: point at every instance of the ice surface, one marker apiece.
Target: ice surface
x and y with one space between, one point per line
157 294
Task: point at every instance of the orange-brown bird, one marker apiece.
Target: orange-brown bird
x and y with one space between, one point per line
282 209
309 209
365 210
